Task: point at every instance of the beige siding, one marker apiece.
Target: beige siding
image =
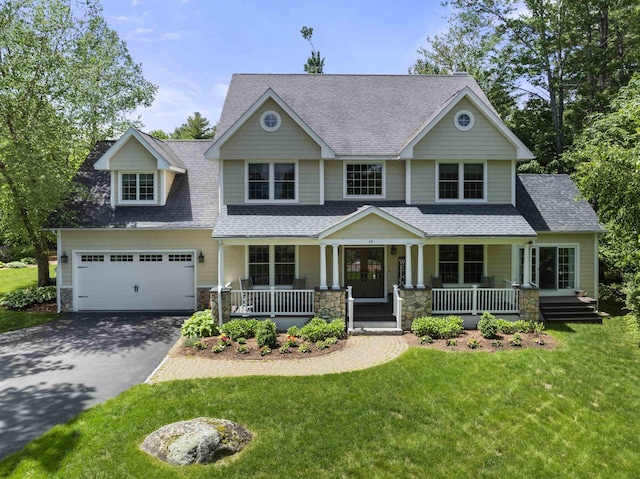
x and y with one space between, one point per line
395 180
116 240
309 181
234 268
233 181
371 226
481 142
423 181
333 180
133 157
499 181
252 142
587 277
168 182
498 263
309 265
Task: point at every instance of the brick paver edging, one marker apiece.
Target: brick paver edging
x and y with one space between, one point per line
361 352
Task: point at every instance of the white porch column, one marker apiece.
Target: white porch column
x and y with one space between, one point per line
336 277
420 266
220 264
408 271
323 266
526 269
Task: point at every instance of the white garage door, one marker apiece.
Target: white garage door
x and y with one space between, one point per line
129 281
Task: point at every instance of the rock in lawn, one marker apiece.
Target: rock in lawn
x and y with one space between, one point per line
198 441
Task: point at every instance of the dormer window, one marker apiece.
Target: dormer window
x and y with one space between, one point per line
137 188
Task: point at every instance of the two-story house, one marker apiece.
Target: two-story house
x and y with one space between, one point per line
321 191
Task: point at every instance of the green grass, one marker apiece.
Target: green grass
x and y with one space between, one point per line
10 280
570 412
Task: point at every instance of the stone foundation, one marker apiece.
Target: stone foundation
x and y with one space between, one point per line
203 296
416 303
66 299
529 299
226 305
330 304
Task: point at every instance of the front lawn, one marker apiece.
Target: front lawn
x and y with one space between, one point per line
569 412
10 280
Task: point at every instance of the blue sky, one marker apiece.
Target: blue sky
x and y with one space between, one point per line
190 48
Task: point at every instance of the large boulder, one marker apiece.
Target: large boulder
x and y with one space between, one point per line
198 441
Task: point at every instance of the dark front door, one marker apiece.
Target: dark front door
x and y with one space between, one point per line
364 272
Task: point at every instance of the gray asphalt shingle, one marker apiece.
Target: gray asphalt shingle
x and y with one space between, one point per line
553 203
353 114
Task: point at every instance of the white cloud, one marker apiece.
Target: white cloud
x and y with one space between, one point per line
122 19
135 3
171 36
140 31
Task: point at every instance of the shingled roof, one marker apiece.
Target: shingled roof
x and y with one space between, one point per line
310 221
553 203
192 201
353 114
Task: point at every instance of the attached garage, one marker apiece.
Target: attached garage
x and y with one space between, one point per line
129 280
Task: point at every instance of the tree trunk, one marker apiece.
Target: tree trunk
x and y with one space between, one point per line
41 251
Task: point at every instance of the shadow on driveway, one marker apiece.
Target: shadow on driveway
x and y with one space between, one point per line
52 372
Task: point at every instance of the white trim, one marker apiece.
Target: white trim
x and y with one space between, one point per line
522 152
58 234
112 190
138 202
407 181
461 163
270 129
104 162
271 164
596 271
356 197
75 260
163 193
213 153
513 182
220 185
363 213
456 117
549 292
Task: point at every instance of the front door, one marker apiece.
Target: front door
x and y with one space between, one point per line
364 272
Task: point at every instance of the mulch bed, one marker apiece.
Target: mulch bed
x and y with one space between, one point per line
484 344
230 352
43 308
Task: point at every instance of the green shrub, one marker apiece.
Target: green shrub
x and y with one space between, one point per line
321 344
317 329
437 328
240 328
264 350
29 260
426 340
217 349
520 326
21 298
1 264
538 341
633 326
331 341
242 340
516 340
200 325
496 343
488 325
199 345
293 331
285 350
266 333
189 342
242 349
15 265
452 342
304 348
291 342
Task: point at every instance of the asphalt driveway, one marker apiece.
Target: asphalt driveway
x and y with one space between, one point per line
50 373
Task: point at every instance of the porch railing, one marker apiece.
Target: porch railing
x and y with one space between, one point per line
350 307
475 300
272 302
397 306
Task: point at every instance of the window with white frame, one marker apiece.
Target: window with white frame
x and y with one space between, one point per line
464 262
279 259
461 181
364 179
271 181
137 187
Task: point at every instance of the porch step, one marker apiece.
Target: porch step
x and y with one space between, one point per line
569 310
375 332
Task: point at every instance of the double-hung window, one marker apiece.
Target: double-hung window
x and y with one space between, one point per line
461 181
137 187
364 179
278 261
461 261
271 181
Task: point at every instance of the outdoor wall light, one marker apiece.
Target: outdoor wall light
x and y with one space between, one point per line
64 258
394 250
200 258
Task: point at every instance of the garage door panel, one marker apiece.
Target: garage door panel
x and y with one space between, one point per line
136 281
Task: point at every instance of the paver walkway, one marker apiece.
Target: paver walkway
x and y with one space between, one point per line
361 352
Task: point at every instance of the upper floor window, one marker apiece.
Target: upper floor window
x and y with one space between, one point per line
270 121
137 187
271 181
463 120
364 179
461 181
